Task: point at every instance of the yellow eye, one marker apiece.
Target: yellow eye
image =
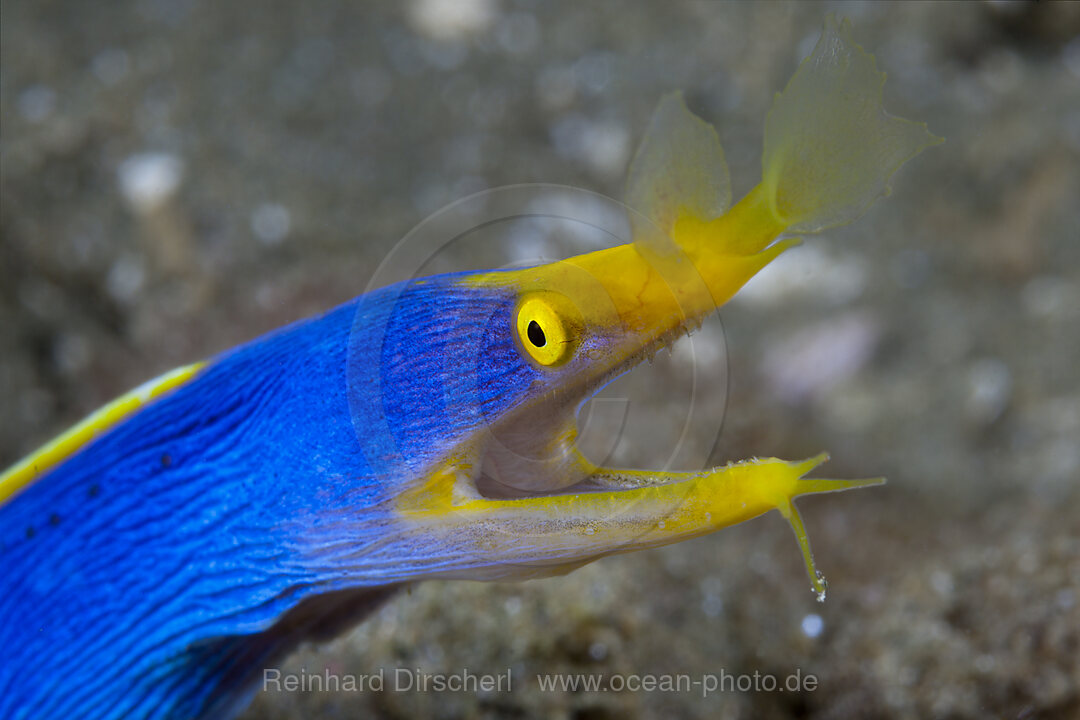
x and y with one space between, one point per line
543 332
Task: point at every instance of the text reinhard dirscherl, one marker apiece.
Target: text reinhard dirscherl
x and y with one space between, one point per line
400 680
465 680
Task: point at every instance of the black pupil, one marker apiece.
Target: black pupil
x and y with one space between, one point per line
536 334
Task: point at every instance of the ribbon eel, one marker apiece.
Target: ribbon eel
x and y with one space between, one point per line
159 555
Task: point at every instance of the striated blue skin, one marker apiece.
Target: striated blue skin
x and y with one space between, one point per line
157 570
296 481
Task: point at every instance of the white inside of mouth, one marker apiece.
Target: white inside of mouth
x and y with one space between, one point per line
602 480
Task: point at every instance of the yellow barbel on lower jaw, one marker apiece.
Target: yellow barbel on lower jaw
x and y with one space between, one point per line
648 509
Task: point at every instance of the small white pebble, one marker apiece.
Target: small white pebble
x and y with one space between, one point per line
270 222
1066 598
942 582
518 33
110 66
712 590
125 279
598 651
712 606
149 179
72 352
1048 297
594 71
451 19
1070 55
812 625
989 389
603 146
985 663
36 103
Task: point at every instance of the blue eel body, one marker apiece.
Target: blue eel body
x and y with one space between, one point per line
152 572
283 489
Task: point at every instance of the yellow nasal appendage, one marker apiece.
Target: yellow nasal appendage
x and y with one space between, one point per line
830 147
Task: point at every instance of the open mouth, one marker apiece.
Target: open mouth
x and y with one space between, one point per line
533 453
610 511
601 480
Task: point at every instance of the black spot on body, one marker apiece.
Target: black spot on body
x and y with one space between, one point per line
30 533
54 519
166 460
94 490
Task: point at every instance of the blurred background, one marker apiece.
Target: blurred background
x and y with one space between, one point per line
179 177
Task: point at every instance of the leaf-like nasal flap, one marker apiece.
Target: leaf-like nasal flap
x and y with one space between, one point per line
830 147
679 166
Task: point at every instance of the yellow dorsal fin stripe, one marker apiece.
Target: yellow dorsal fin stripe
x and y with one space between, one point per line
26 471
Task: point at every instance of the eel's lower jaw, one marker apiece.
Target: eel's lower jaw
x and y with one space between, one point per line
614 511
